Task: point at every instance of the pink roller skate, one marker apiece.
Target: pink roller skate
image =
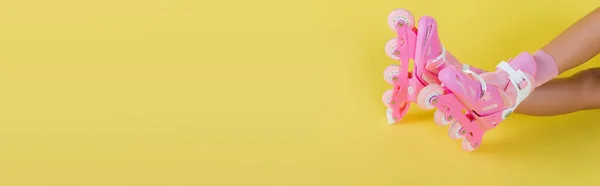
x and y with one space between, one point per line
476 103
423 46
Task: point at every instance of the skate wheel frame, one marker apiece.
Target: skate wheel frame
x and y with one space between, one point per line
401 48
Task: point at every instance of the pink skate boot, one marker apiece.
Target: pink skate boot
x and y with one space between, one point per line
475 103
423 46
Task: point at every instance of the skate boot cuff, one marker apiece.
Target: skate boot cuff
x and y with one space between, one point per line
546 68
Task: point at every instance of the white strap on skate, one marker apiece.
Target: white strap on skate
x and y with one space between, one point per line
442 56
467 69
515 77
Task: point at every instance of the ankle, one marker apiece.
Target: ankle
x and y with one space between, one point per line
546 67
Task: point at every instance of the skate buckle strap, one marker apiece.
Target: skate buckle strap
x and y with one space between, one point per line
467 69
442 56
516 78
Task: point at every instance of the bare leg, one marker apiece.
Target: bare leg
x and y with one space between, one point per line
573 47
564 95
577 44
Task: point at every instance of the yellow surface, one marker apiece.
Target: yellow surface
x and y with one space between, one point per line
261 92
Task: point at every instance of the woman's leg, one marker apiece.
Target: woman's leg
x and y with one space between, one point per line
564 95
573 47
577 44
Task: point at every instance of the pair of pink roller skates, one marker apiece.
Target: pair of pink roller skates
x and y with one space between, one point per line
463 98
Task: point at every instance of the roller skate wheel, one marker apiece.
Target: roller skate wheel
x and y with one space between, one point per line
428 96
387 97
454 131
466 145
400 17
441 119
390 116
390 72
391 49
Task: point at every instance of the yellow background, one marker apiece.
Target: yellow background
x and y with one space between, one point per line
261 92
